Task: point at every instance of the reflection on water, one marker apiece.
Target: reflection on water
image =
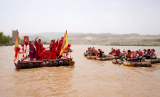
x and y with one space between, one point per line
89 78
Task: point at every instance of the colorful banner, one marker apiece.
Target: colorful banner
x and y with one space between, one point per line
16 47
65 43
26 39
26 42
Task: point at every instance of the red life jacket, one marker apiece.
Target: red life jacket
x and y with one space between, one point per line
113 51
134 55
148 53
151 53
117 52
124 53
129 55
140 53
144 52
132 52
95 52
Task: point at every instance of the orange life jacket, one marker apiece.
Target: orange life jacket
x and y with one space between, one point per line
129 55
134 55
140 53
148 53
125 53
151 53
144 52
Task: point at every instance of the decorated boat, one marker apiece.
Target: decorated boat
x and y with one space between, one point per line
43 56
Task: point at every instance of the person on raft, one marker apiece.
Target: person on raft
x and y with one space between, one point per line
101 53
118 53
92 51
136 56
140 53
128 56
147 54
95 52
31 50
54 49
153 54
51 48
39 48
59 46
144 53
113 52
123 54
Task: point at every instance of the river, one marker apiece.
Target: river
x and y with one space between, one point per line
87 78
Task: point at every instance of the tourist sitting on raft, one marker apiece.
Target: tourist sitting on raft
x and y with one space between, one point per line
93 52
149 54
133 56
101 53
123 54
115 52
139 55
136 56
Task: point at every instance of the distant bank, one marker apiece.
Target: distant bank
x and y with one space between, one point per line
108 39
5 40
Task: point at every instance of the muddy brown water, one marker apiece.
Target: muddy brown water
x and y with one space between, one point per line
87 78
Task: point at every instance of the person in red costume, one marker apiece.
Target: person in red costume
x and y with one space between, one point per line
31 50
39 47
51 47
59 46
53 50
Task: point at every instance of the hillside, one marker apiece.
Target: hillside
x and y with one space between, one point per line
102 38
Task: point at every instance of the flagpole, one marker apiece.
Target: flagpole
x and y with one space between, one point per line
23 51
18 55
26 51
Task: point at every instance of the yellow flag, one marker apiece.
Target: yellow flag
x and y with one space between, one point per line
65 43
16 47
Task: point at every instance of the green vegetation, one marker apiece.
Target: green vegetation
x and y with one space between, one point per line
157 40
5 40
153 40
